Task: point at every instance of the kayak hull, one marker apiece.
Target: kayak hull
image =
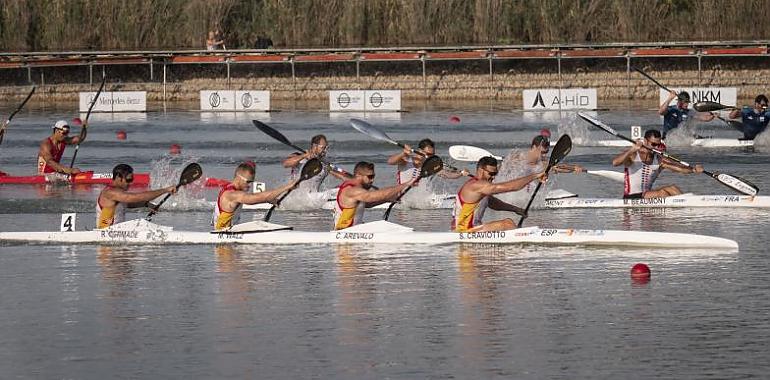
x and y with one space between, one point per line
677 201
380 232
86 178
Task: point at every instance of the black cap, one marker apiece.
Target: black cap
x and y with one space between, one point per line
683 96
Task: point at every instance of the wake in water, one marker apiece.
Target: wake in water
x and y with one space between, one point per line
166 170
514 166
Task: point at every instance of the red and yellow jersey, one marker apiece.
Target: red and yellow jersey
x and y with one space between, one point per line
107 216
466 215
345 217
225 219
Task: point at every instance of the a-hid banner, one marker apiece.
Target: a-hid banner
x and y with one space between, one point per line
347 100
724 95
555 99
114 101
252 100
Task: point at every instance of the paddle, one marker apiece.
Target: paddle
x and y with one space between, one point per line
651 79
272 132
377 134
711 106
189 175
734 182
311 168
431 166
10 117
88 114
473 154
560 150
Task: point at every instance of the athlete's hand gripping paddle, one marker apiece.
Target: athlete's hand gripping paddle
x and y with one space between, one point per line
560 150
734 182
311 168
189 175
377 134
431 166
10 117
88 114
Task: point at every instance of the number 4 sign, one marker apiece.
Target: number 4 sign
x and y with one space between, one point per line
67 222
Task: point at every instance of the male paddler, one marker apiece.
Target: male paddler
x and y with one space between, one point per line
642 167
318 149
409 162
754 119
52 149
234 195
113 200
477 194
674 116
356 194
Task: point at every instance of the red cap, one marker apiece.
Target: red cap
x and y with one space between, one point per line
545 132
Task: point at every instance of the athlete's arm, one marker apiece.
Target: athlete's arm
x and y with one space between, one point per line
79 138
499 205
676 167
379 195
339 175
137 198
705 116
400 156
625 157
568 168
488 188
452 174
663 109
45 153
261 197
294 159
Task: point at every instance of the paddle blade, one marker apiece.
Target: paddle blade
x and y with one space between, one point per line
270 131
709 106
737 183
190 174
469 153
560 150
311 168
431 166
370 130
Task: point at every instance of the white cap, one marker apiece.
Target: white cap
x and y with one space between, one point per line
61 124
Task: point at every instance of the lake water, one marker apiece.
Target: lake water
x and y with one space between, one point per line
319 311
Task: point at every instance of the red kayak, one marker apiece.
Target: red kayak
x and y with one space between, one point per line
87 178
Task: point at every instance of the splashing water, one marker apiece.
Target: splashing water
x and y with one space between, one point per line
576 128
515 166
166 170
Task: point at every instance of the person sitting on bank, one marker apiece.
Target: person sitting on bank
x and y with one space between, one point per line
113 200
233 196
754 119
52 149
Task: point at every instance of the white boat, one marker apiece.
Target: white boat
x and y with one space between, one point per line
438 201
677 201
141 231
707 142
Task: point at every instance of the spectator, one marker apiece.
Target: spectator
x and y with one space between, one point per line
214 41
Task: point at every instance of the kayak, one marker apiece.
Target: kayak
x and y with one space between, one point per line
677 201
438 201
87 178
140 231
707 142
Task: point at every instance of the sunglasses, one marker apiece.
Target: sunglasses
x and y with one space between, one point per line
129 178
64 131
491 173
248 181
370 176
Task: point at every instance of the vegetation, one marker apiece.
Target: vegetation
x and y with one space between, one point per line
56 25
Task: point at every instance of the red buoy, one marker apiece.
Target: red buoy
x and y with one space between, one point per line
77 122
121 135
175 149
640 271
454 119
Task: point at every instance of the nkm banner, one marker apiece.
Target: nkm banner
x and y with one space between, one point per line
368 100
555 99
725 95
115 101
230 100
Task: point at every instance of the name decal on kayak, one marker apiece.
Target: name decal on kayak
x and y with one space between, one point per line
120 234
354 236
230 235
645 202
482 235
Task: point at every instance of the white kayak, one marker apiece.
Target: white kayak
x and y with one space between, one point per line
141 231
438 201
706 142
677 201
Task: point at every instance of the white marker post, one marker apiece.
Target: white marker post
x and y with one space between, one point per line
636 132
67 222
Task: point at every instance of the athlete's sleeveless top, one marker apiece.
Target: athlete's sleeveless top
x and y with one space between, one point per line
57 150
347 217
639 177
406 171
466 215
225 219
107 216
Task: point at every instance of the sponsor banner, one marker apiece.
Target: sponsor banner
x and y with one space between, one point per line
115 101
352 100
555 99
383 100
725 95
217 100
252 100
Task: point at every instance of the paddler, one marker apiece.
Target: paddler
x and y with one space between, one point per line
536 158
674 116
52 149
409 162
113 200
234 195
356 194
319 146
642 167
477 194
754 119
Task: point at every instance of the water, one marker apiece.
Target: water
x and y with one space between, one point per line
320 311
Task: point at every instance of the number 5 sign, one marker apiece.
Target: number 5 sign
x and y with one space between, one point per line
67 223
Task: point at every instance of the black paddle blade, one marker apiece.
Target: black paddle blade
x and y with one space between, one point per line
560 150
431 166
709 106
311 169
190 174
270 131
